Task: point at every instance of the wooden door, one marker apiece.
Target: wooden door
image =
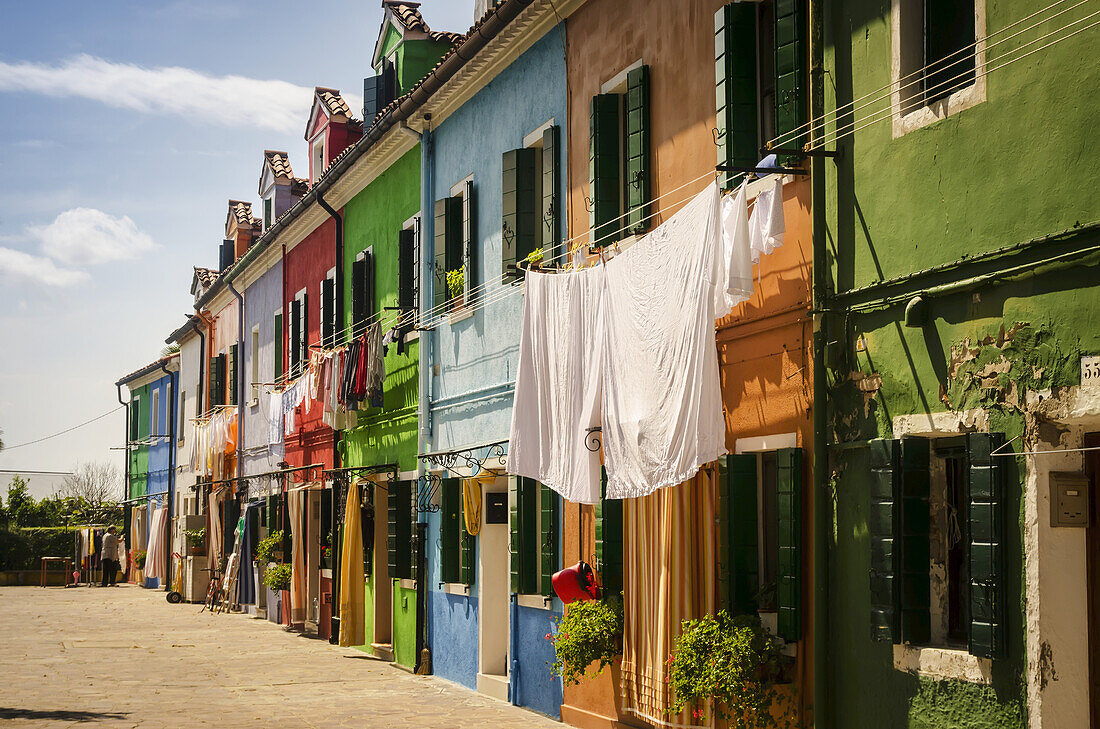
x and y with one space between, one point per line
1092 542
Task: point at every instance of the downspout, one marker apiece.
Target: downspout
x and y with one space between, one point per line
126 484
170 496
821 498
427 293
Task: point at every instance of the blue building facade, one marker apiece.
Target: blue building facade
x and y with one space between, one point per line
482 633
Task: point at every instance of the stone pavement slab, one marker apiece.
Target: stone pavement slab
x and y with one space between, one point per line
125 657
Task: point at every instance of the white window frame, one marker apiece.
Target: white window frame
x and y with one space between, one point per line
254 354
181 420
302 345
317 157
330 276
154 416
135 403
921 116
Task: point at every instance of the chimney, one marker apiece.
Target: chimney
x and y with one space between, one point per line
227 254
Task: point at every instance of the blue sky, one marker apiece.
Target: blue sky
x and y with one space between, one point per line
124 129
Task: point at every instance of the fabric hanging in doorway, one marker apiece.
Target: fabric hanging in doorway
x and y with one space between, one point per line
246 576
669 553
296 503
157 554
352 579
214 526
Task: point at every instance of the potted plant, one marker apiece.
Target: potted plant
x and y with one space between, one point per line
270 548
731 664
590 632
277 579
456 286
139 559
196 540
534 259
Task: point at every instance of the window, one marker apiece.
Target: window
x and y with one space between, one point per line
937 51
298 344
402 517
277 337
760 530
457 547
234 380
168 413
530 182
937 528
328 309
217 380
269 211
609 540
182 422
154 415
455 254
535 540
254 353
135 417
317 157
619 158
362 291
407 268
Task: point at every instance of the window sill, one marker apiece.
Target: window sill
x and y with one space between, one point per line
537 602
254 402
460 315
943 663
925 114
456 588
406 584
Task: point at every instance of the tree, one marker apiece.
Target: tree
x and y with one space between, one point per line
90 494
23 511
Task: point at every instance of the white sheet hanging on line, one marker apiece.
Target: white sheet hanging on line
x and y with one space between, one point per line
557 348
766 225
630 345
738 248
156 552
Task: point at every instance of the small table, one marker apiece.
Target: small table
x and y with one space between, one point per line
67 562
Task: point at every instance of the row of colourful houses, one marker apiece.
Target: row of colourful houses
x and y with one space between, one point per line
908 393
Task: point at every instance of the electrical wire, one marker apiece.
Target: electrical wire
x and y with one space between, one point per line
823 120
112 411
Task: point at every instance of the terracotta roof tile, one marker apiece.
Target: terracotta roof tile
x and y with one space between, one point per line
206 276
279 163
334 103
408 14
242 211
299 186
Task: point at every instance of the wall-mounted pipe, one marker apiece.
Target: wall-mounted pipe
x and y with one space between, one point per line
126 443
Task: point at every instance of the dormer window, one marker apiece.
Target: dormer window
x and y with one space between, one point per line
317 158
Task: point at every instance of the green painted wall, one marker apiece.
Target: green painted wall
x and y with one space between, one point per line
415 59
139 455
404 625
1006 171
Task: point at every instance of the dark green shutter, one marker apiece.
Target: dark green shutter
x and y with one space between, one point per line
551 237
328 319
469 239
519 212
272 513
406 274
211 385
368 286
449 527
882 527
524 542
603 169
286 527
741 518
358 296
548 550
303 357
366 514
790 70
609 542
219 379
468 546
135 408
636 129
294 345
278 340
915 589
986 521
440 266
399 537
789 532
234 370
514 546
735 84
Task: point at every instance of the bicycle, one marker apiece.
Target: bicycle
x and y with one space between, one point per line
213 591
175 594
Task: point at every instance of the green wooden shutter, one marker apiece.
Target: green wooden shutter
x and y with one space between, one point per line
328 316
609 542
219 378
548 550
406 273
399 538
303 330
367 517
514 546
915 589
271 512
369 306
440 268
986 521
789 517
741 517
735 85
211 386
603 169
523 502
469 244
790 69
636 191
450 514
286 526
882 527
358 296
280 366
294 345
135 407
468 560
234 376
519 212
551 181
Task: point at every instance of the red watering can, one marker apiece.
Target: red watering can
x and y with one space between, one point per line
576 583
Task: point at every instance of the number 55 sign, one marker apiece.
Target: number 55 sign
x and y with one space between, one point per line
1090 371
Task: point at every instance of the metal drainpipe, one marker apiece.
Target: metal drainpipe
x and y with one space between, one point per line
171 469
126 443
822 712
427 232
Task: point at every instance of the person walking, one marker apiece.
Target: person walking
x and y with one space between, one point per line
108 557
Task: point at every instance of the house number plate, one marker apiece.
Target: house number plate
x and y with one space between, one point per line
1090 371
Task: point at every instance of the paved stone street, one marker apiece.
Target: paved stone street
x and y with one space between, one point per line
127 658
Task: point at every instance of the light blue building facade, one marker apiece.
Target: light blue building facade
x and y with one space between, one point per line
483 634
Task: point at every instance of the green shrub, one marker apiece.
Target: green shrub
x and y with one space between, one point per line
733 662
589 632
195 537
456 281
22 549
278 577
270 548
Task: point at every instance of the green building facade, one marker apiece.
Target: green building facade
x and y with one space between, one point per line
962 230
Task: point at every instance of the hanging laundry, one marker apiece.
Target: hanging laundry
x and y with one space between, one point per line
375 369
738 249
766 225
652 379
275 419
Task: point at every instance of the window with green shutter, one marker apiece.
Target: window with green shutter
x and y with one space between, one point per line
406 270
448 244
469 240
915 587
604 170
790 71
882 527
234 375
789 542
986 521
467 544
450 517
738 506
523 534
362 291
519 209
551 181
400 533
328 312
636 188
294 345
735 78
277 338
549 524
609 542
217 380
135 415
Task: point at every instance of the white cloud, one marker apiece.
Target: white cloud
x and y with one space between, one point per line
84 236
18 264
226 100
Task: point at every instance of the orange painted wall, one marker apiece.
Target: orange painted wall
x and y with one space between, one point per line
764 346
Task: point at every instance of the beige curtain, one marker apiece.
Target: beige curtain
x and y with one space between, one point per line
214 530
352 608
669 549
296 501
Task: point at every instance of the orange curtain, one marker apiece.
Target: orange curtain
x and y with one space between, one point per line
296 503
669 551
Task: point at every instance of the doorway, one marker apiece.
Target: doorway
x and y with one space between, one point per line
494 602
1092 548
